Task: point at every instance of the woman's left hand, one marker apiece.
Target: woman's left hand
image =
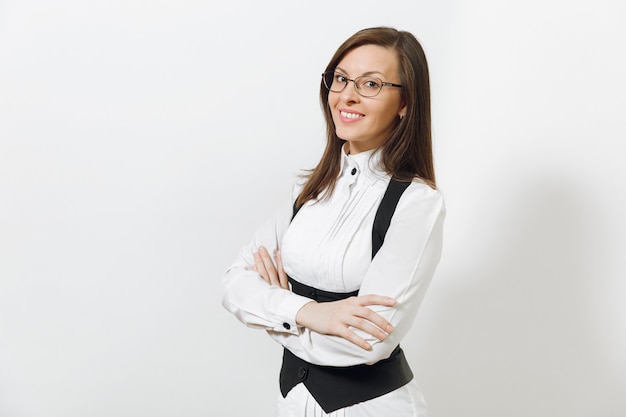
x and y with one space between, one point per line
264 265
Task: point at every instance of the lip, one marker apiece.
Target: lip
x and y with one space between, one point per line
344 116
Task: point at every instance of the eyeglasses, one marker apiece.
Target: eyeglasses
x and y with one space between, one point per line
365 85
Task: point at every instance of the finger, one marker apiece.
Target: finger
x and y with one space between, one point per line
368 327
268 263
282 276
350 336
373 299
375 318
259 267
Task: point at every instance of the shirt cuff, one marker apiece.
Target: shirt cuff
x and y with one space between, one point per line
285 314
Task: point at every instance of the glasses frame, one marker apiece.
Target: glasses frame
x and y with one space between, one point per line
356 88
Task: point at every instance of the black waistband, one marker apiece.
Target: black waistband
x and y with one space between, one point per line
320 296
338 387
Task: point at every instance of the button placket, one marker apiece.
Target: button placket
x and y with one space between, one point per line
351 174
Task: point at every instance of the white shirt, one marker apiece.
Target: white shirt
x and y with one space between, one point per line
328 245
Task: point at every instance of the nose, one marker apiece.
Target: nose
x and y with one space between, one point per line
349 94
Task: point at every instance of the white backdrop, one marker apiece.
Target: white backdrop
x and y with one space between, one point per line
142 141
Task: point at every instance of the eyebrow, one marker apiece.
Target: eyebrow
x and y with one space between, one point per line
364 74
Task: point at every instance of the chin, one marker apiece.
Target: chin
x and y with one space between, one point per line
347 136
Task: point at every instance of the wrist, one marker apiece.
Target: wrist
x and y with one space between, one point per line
302 314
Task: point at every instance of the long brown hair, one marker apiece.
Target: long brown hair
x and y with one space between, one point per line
407 153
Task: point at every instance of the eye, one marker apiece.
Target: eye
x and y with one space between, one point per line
340 78
370 84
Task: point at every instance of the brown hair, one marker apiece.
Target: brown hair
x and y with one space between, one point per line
407 153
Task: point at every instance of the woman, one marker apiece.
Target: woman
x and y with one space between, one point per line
318 277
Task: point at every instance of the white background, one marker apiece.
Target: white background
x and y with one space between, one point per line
142 141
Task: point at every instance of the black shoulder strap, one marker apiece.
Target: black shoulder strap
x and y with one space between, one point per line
296 209
384 214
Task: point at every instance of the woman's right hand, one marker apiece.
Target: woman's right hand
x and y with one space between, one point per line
272 274
338 317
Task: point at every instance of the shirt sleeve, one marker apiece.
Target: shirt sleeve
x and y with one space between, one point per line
402 269
250 298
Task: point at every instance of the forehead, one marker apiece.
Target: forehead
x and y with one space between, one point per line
370 58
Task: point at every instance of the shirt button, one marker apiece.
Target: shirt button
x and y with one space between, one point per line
353 171
286 326
301 372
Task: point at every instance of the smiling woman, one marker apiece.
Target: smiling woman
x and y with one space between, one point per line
338 274
366 115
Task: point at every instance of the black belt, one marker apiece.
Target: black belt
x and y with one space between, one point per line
335 387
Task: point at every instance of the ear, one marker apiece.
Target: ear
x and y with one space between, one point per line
402 111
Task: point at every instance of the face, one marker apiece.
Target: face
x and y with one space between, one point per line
365 122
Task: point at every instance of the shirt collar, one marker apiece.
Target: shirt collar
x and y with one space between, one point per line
366 162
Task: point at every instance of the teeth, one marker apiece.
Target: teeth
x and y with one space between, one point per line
350 115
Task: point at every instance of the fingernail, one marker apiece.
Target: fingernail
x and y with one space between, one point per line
389 328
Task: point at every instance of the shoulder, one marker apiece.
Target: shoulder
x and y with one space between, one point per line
418 193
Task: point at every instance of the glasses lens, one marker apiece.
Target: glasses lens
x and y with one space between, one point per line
334 81
368 86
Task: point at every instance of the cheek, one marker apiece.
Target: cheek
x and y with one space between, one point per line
393 110
387 116
332 100
332 106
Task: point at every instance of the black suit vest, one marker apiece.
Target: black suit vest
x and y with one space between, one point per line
338 387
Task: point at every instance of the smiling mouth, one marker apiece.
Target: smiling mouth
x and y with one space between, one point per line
350 115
